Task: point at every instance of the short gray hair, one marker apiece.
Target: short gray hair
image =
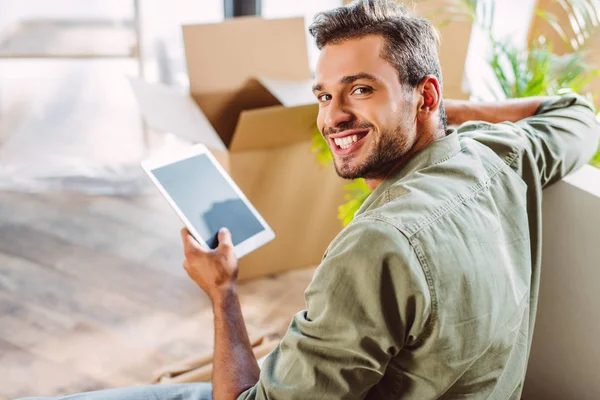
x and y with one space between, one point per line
411 43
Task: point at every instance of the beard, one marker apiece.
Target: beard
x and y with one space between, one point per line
389 147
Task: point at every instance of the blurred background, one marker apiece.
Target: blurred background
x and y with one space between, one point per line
68 117
92 293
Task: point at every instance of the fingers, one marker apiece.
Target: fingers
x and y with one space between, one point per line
190 246
188 269
225 242
225 236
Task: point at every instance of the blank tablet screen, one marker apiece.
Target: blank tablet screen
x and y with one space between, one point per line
207 200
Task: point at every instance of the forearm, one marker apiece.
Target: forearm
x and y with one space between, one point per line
235 369
512 110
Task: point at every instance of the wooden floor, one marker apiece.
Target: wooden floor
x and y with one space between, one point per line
93 294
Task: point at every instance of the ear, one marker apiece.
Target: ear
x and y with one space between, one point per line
430 97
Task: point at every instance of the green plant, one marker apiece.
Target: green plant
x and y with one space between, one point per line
320 148
356 192
538 71
596 160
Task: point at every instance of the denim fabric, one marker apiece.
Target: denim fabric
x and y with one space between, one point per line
188 391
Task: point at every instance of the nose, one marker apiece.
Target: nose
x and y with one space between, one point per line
337 113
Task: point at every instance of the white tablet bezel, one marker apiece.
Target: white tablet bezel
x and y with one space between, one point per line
241 249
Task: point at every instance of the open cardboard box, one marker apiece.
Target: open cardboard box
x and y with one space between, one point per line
250 102
258 128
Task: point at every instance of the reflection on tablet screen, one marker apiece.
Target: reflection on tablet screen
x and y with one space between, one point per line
207 200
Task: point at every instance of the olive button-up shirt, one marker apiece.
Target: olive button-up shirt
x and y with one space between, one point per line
431 291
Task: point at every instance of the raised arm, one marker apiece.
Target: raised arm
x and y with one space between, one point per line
235 368
543 138
513 110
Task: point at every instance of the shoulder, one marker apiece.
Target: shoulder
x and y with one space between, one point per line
367 235
371 272
366 251
424 197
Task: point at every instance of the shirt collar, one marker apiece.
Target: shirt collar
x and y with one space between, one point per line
438 151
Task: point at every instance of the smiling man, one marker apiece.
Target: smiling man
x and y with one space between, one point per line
367 113
431 291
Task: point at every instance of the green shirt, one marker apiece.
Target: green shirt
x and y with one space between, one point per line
431 291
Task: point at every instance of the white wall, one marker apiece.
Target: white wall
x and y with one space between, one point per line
565 356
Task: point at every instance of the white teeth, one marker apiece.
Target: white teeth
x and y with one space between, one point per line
346 142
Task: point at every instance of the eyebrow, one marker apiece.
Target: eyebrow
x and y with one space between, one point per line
347 80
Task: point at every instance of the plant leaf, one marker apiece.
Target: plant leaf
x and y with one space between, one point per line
320 148
596 160
356 194
552 20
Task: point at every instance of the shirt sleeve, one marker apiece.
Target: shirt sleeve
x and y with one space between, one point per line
559 138
368 298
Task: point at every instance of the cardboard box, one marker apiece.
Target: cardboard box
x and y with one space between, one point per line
250 102
260 130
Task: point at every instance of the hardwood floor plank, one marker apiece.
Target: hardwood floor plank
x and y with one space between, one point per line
93 295
163 223
133 211
101 353
23 374
104 271
32 322
98 233
60 293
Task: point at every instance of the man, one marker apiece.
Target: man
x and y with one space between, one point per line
431 292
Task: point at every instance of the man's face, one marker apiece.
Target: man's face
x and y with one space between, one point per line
365 115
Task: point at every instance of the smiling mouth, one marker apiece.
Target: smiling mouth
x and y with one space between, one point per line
348 141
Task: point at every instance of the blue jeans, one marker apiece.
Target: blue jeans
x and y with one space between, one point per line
184 391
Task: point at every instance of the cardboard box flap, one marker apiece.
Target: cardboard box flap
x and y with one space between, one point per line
274 127
223 109
221 57
167 110
299 200
290 93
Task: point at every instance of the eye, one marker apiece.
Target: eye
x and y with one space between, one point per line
324 97
362 90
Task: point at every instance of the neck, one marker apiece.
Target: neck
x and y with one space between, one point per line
422 142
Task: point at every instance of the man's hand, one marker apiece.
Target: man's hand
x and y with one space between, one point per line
215 271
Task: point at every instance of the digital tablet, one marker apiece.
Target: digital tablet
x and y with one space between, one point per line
207 199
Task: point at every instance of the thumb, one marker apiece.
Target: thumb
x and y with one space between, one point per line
225 237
